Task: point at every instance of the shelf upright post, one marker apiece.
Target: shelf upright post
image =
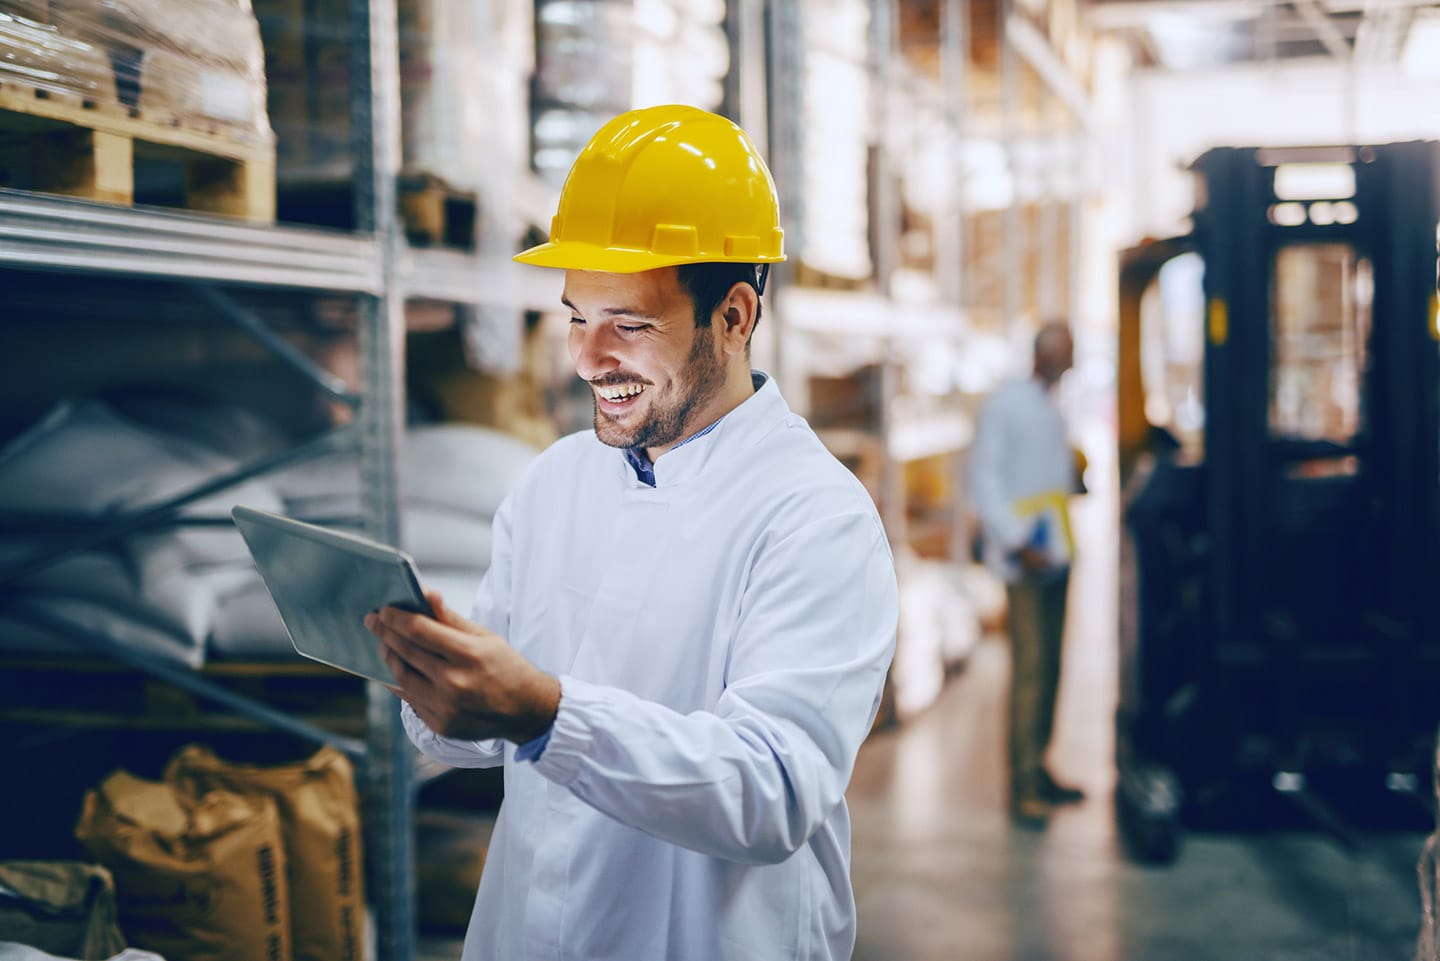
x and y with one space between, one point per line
386 778
1011 105
746 83
884 193
784 146
954 67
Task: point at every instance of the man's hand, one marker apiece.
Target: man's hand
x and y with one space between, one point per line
1033 560
462 680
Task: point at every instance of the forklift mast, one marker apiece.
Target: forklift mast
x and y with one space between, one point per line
1280 618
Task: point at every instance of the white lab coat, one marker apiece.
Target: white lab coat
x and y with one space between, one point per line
1021 449
722 640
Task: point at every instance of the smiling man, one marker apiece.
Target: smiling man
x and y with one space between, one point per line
684 633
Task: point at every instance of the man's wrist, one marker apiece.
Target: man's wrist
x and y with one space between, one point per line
542 706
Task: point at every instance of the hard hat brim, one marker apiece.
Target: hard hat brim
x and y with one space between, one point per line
617 260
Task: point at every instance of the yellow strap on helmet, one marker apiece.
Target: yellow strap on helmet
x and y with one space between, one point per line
664 186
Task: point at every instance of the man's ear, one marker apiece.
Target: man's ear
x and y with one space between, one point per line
736 315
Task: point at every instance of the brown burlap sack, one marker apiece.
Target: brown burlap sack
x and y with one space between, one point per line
320 821
66 908
195 880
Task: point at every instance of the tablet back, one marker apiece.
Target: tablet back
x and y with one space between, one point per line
324 582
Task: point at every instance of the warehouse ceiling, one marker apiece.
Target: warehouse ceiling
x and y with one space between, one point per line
1198 34
1185 35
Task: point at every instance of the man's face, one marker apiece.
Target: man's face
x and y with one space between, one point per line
653 374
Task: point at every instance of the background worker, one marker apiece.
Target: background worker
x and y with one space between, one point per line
684 634
1022 473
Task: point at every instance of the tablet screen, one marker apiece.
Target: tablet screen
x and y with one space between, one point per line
324 582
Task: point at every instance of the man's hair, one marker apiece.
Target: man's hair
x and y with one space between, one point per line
708 283
1050 334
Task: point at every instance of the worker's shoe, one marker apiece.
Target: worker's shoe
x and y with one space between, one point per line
1056 793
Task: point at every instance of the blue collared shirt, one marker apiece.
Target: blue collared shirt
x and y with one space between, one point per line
640 461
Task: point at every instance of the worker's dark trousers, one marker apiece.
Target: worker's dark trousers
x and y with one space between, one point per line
1037 626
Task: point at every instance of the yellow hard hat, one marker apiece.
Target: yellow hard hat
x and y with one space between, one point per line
664 186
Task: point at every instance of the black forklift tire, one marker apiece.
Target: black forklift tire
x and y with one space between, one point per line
1147 813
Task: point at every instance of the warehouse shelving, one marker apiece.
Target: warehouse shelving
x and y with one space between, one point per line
373 265
41 231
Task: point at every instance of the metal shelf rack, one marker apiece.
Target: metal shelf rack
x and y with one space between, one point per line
81 238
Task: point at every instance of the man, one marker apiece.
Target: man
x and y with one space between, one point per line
683 636
1022 474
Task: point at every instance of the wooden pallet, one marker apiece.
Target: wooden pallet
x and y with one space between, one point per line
434 214
804 275
54 143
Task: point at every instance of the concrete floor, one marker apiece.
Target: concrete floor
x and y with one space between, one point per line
940 873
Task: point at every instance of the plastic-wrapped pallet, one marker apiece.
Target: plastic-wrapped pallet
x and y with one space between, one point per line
465 67
200 61
584 74
34 53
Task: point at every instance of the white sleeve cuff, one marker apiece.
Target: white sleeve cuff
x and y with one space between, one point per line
448 750
573 735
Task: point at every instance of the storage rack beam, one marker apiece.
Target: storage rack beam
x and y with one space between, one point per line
39 232
469 279
297 360
185 678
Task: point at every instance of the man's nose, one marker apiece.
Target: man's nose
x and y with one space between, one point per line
593 349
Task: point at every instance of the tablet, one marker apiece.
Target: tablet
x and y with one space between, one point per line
324 582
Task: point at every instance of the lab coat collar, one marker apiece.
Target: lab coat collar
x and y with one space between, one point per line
741 427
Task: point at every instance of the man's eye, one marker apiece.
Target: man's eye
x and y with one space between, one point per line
577 320
632 329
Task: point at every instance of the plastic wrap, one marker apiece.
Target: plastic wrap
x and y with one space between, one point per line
194 63
465 69
35 54
464 90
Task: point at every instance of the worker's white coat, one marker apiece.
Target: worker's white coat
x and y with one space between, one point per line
722 641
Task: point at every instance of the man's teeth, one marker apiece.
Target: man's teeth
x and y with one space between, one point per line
620 393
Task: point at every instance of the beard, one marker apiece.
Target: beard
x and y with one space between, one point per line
668 418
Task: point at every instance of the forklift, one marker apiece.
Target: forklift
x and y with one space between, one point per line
1279 450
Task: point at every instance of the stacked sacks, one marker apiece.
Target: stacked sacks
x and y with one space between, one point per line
64 907
455 477
91 461
240 862
320 824
195 879
185 593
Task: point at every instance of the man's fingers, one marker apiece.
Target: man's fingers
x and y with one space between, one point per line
446 615
418 630
405 674
437 603
416 657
